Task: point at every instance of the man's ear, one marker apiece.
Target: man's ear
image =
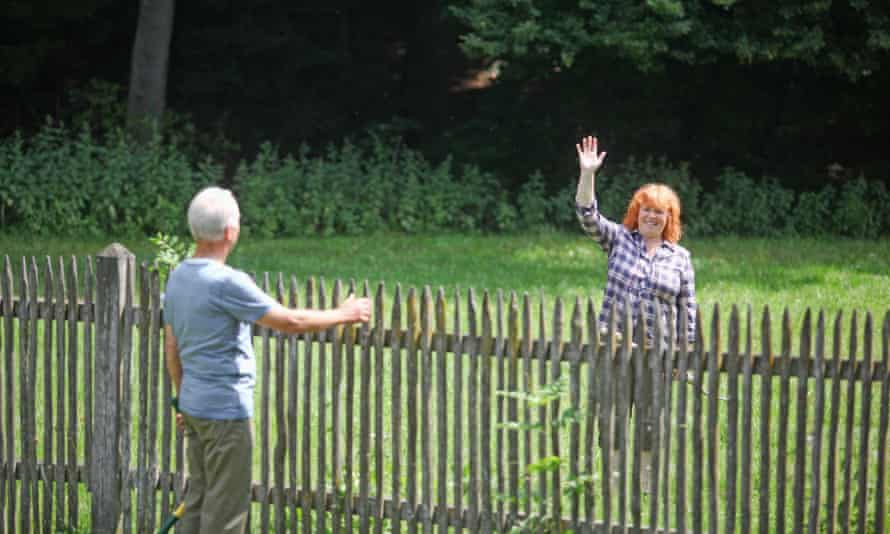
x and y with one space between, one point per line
230 233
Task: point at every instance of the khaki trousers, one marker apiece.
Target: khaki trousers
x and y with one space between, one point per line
219 455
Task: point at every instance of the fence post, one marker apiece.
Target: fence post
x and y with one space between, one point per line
112 266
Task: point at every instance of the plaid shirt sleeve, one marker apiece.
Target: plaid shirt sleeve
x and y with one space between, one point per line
594 224
686 299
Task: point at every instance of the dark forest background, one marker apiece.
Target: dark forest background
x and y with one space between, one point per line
315 72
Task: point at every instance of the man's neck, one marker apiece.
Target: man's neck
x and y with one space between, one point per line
212 250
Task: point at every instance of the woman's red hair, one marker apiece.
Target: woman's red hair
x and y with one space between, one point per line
661 197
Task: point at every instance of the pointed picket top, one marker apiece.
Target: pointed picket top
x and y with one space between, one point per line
577 329
641 331
526 348
7 286
426 316
593 335
457 319
885 345
542 328
310 292
396 313
657 329
472 315
627 326
854 346
279 288
786 336
322 293
513 327
716 359
820 345
556 336
441 312
766 339
611 332
487 345
413 317
734 333
378 319
867 338
683 329
806 341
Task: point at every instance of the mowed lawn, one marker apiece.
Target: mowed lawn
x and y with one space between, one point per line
828 274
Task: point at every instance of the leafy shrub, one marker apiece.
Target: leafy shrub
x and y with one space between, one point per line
61 182
861 209
352 189
741 206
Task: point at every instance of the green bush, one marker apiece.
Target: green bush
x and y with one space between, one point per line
742 206
61 182
353 189
64 181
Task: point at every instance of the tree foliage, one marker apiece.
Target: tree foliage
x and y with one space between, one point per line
850 37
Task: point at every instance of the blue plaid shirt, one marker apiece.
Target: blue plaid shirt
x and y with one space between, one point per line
667 276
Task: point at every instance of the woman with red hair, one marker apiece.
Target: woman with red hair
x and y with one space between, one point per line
645 262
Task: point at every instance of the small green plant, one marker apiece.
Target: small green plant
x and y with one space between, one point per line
574 485
170 252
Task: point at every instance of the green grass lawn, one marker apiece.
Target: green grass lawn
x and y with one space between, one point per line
831 273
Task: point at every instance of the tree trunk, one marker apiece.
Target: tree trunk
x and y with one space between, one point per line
148 71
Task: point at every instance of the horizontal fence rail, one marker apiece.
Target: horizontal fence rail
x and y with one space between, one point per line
474 411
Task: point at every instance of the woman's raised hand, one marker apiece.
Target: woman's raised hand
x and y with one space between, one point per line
588 158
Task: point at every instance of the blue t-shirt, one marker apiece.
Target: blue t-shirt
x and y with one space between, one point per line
210 308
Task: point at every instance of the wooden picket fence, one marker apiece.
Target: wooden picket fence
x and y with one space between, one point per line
427 418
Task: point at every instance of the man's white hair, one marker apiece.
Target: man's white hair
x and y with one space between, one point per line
211 211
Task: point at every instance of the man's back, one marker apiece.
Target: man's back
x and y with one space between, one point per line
210 308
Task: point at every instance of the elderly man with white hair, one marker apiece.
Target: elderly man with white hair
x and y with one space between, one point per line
209 308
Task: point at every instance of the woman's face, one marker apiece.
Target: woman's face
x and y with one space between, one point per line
651 222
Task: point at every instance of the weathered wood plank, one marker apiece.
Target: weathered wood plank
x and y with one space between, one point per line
525 354
593 360
411 371
426 394
782 423
577 332
682 417
441 409
457 384
349 402
293 394
30 479
306 464
881 482
639 413
865 424
747 427
555 409
608 355
659 418
846 504
49 326
125 414
281 441
833 424
512 356
396 435
265 359
500 360
667 404
766 381
365 428
379 467
819 417
473 430
9 396
72 356
320 422
697 503
539 351
713 418
732 413
801 427
144 490
486 346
